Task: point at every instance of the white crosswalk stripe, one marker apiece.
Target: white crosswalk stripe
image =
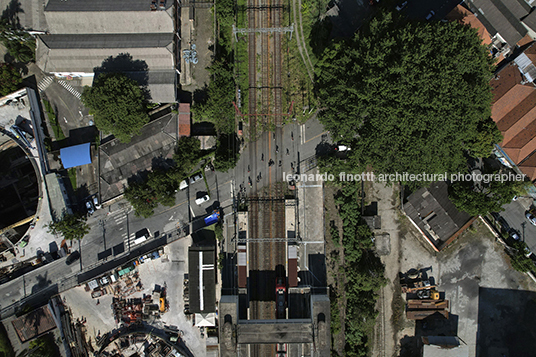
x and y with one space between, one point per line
44 83
70 89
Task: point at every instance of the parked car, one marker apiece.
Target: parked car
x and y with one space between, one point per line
430 15
401 6
89 207
513 234
183 185
531 218
195 178
203 199
96 203
74 256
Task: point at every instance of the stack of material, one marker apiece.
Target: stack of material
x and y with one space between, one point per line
418 309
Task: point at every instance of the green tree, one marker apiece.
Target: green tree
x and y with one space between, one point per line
6 349
19 43
406 96
218 107
10 79
481 198
142 198
187 154
164 184
487 135
71 227
519 259
43 346
227 153
117 103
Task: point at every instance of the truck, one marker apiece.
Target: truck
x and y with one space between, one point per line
213 218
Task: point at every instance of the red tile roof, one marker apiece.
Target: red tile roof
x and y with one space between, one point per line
505 80
184 119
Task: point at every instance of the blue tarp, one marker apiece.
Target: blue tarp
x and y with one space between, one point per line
76 155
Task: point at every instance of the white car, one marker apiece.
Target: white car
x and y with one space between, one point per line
195 178
96 203
89 207
201 200
183 185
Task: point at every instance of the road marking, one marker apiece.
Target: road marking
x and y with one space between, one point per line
44 83
314 137
171 218
70 89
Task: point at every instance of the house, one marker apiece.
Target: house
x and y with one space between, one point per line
514 112
85 38
507 21
435 216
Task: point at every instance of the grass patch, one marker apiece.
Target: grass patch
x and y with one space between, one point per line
53 120
72 177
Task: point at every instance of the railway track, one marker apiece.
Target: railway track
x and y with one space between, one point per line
252 70
278 103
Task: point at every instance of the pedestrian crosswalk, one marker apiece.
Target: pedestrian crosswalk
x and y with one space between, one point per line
44 83
70 89
120 218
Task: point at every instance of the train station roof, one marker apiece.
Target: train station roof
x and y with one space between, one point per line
77 155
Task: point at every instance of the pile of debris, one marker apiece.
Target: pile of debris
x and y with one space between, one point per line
122 283
423 300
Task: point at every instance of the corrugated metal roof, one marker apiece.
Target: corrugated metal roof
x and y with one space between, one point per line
501 19
92 22
77 155
102 5
137 40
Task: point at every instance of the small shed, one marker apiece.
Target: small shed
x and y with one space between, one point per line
77 155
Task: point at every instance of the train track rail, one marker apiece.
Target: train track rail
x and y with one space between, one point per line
252 71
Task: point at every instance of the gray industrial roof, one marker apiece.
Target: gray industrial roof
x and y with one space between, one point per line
87 59
433 203
502 16
202 279
102 5
92 22
77 41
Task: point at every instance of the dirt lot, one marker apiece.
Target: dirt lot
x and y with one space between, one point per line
485 293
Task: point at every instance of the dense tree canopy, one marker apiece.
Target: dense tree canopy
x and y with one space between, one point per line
227 153
483 197
71 227
218 107
10 79
19 43
408 97
117 103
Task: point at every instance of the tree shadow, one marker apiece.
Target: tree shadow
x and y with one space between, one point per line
162 163
320 35
200 95
137 70
42 282
11 12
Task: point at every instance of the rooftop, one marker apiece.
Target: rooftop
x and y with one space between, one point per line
79 41
85 21
120 161
202 279
76 155
431 209
101 5
34 323
503 17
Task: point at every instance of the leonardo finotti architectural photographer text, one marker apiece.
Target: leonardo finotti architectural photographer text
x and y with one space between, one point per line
405 177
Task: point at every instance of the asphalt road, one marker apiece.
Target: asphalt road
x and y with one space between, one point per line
113 227
514 214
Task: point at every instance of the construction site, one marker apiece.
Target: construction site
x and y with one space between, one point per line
137 309
423 299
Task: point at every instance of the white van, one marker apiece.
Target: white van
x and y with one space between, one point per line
183 185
